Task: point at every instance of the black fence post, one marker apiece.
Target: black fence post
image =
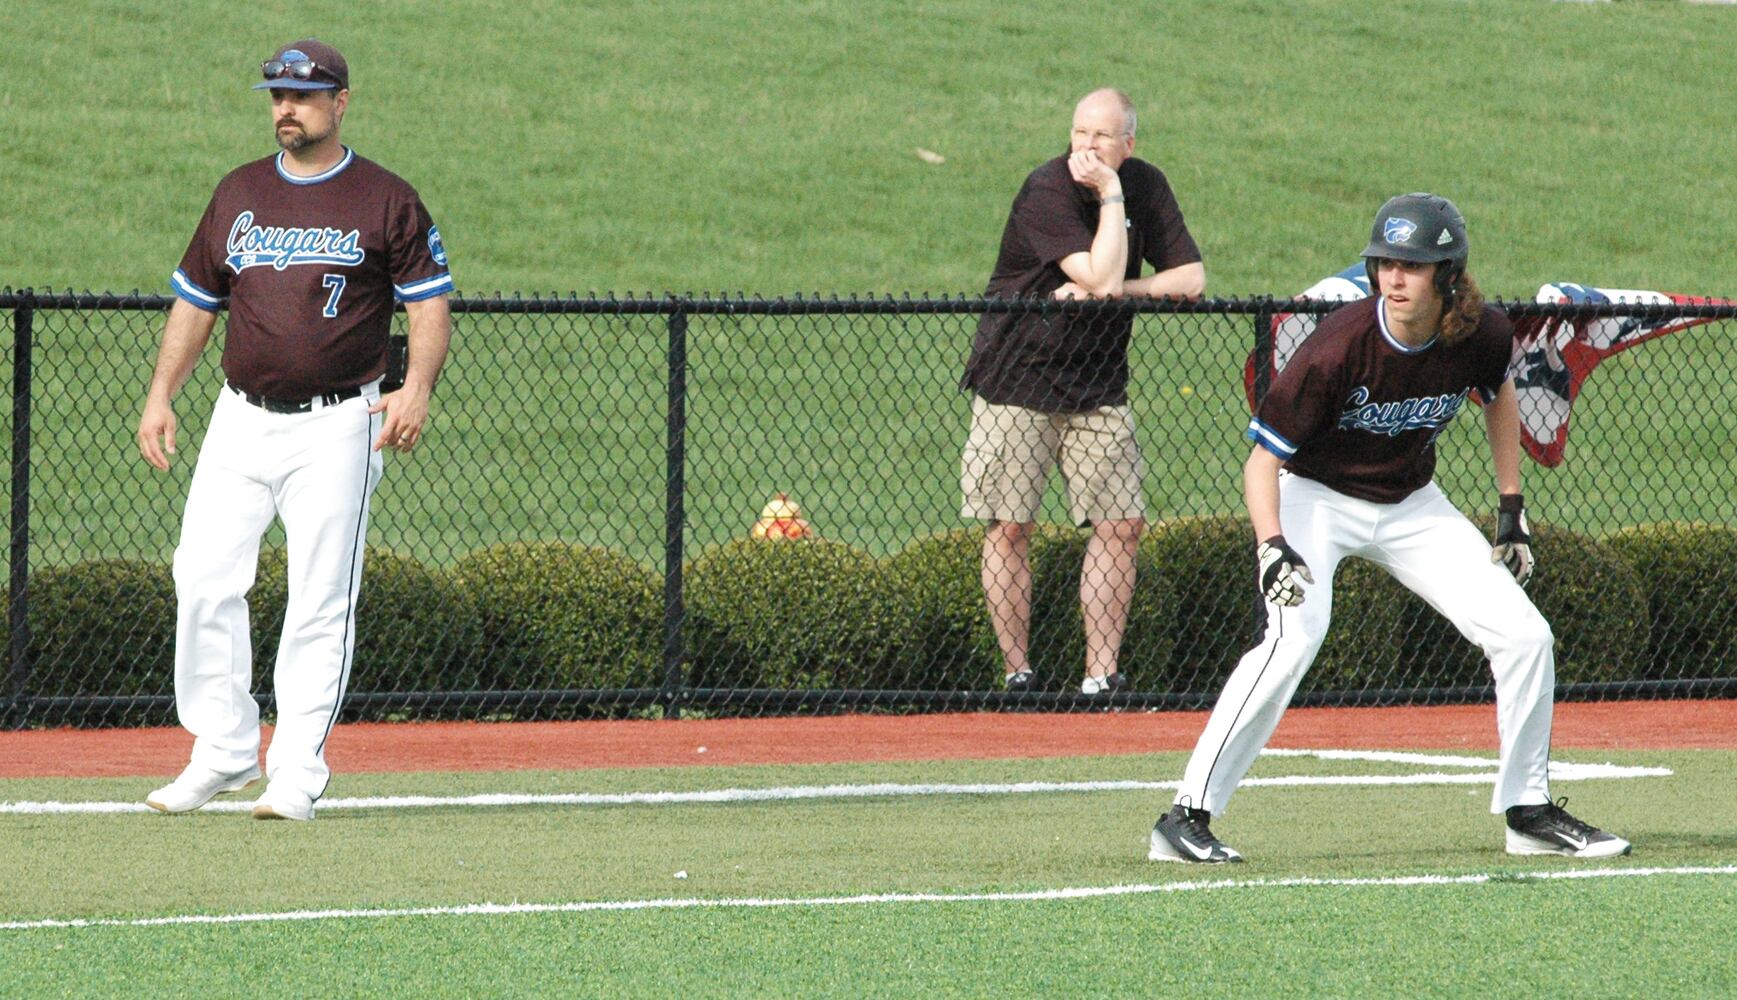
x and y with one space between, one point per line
674 515
1263 350
18 594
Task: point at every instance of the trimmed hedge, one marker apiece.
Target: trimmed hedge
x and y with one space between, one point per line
1058 631
948 640
1649 602
416 628
105 627
1384 636
937 590
788 614
1689 573
1210 562
556 615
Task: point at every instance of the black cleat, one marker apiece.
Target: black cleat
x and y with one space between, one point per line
1022 681
1182 834
1549 829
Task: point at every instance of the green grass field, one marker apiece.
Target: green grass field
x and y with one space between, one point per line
1337 897
772 150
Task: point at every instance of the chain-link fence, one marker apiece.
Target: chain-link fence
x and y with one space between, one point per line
579 531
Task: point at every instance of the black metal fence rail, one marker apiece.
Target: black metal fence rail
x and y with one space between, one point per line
637 438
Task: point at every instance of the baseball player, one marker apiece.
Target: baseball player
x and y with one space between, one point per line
1342 465
309 248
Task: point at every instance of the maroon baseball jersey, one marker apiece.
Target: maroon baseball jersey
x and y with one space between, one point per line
1057 363
1359 411
310 267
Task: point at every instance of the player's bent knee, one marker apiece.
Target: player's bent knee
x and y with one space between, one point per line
192 573
1532 635
1541 637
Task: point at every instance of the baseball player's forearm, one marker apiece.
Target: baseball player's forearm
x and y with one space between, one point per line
407 409
1187 281
185 335
430 337
1260 490
1502 425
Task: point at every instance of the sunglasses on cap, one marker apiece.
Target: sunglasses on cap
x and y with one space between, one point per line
278 69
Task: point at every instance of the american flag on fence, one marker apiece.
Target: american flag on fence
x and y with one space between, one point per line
1552 355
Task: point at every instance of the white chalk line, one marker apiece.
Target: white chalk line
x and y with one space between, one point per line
1083 892
1559 771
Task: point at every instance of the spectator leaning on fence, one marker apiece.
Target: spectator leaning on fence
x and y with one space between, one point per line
1343 465
1053 388
309 248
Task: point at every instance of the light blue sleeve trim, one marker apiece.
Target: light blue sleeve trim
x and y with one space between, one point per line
440 284
1269 439
192 294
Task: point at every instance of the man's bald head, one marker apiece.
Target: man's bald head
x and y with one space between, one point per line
1104 123
1109 100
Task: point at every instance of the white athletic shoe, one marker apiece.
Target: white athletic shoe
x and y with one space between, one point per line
284 804
1107 684
197 786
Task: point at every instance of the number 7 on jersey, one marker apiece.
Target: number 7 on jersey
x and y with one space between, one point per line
336 283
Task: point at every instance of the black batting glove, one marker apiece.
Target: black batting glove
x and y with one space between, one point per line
1283 572
1513 547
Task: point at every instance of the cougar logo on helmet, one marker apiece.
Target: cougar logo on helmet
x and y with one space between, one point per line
1401 232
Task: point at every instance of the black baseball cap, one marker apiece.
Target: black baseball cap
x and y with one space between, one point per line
309 64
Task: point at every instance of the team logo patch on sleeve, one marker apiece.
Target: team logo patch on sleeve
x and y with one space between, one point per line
436 249
1396 230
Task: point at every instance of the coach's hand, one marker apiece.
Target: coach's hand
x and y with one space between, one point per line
406 412
1283 572
157 433
1513 547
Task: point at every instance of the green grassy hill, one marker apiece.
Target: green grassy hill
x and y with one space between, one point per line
772 147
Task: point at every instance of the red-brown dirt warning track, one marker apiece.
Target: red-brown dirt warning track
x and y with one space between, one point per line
463 746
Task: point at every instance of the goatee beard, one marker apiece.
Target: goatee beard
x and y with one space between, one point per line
296 138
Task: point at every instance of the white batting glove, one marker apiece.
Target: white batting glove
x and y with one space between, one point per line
1513 547
1282 572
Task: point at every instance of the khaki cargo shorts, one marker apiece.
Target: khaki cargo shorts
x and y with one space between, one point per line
1011 450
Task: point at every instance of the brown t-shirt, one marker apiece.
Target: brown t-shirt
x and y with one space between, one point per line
310 267
1357 410
1068 363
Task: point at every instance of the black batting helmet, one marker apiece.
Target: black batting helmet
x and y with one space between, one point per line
1422 228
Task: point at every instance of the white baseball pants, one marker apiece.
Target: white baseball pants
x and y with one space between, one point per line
1428 545
317 471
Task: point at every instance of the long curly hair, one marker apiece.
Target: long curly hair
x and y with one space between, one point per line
1464 310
